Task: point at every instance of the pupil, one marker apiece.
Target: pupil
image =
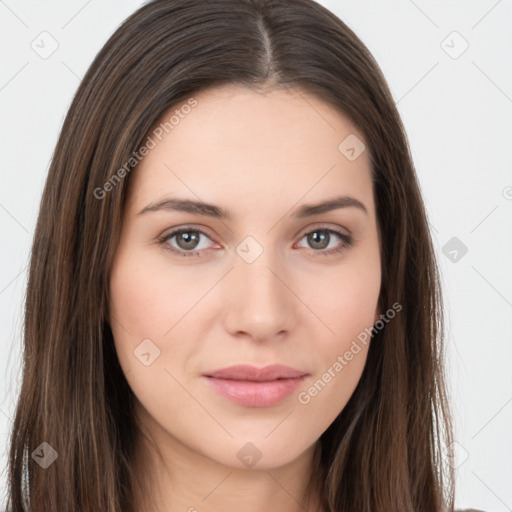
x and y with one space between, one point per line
319 237
190 240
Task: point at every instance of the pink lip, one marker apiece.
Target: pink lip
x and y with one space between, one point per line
256 387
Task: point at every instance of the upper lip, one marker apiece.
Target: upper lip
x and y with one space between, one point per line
248 372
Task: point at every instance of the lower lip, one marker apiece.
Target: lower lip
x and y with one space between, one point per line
255 394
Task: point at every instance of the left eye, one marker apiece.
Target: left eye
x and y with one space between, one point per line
187 241
319 236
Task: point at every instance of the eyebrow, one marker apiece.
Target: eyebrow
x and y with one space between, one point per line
211 210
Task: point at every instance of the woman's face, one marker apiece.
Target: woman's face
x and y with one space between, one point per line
264 285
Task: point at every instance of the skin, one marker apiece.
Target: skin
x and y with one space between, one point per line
260 155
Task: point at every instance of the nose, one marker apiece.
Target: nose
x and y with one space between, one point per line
259 301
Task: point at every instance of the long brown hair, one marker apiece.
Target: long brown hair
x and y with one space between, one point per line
383 452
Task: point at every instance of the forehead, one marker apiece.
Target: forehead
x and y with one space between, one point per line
236 142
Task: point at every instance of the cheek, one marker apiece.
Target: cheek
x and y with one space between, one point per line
148 300
348 305
134 300
350 313
326 394
347 301
137 305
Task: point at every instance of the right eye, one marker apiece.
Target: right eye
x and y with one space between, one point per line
187 238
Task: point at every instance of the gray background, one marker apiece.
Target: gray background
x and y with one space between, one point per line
456 104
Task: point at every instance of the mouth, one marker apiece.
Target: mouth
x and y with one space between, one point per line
247 372
249 386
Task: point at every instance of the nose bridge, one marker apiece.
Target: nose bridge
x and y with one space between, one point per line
261 304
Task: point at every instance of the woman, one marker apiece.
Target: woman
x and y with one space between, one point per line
233 300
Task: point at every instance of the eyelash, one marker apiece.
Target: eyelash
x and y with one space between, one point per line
345 244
